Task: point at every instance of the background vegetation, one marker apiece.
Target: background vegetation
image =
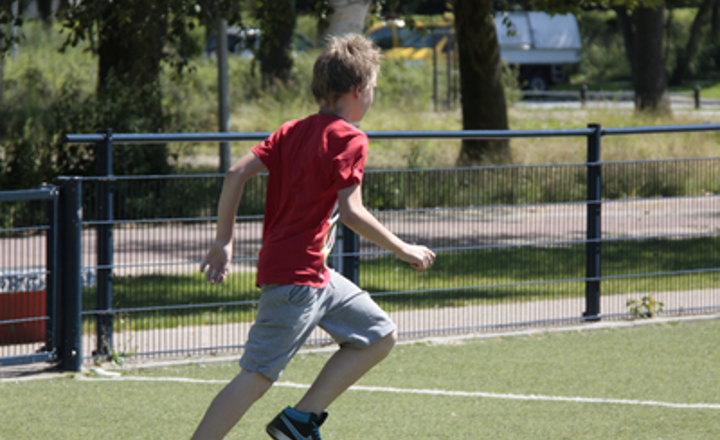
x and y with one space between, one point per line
48 93
604 62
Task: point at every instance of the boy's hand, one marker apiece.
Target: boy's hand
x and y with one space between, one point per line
217 262
419 257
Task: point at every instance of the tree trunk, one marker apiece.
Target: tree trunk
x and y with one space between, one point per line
129 49
347 16
45 11
131 40
650 77
481 86
277 26
2 78
626 26
685 55
715 32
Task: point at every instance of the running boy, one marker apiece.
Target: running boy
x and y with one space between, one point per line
315 165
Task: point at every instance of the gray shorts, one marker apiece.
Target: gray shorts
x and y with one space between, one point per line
288 314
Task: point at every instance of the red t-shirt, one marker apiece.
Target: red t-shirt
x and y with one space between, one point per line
309 160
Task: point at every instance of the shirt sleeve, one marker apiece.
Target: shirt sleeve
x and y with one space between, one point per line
350 163
268 150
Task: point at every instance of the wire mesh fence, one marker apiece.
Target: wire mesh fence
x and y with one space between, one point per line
517 247
27 293
511 245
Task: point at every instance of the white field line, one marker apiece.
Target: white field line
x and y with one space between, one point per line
531 397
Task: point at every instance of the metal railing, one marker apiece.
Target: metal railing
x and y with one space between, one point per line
583 96
517 246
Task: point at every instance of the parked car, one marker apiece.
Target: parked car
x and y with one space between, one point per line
246 42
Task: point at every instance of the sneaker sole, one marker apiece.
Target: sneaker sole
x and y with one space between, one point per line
277 434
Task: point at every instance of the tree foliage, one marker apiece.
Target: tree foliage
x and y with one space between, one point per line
85 21
277 25
8 19
134 40
686 53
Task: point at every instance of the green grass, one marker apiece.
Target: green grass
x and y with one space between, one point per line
672 363
459 275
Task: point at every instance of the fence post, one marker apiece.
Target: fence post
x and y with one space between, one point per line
350 248
223 94
104 232
52 338
435 71
592 247
697 96
583 96
70 267
448 58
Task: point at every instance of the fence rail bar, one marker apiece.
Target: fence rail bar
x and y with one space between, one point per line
44 193
19 321
160 138
129 138
43 356
660 130
115 311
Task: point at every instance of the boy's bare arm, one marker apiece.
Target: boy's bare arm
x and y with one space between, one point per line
355 216
217 261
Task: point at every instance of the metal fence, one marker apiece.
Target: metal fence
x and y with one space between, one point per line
28 276
517 246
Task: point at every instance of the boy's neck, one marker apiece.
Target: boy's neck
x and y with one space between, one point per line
333 112
324 111
342 107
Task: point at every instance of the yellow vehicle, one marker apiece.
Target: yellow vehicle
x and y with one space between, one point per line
389 34
426 42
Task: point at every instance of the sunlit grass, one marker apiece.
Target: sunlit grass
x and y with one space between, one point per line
672 363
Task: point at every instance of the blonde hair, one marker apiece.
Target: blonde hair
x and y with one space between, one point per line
348 62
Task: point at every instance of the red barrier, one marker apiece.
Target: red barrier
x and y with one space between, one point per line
22 305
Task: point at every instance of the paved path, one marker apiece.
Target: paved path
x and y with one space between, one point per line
178 248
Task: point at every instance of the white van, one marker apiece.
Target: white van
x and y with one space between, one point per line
542 45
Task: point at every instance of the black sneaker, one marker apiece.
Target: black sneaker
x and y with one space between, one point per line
289 425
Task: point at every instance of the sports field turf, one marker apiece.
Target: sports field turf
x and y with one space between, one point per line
657 381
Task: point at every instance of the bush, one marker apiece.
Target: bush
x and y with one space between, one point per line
50 94
604 57
33 120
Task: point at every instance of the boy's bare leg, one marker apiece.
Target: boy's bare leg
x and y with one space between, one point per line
231 404
342 370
